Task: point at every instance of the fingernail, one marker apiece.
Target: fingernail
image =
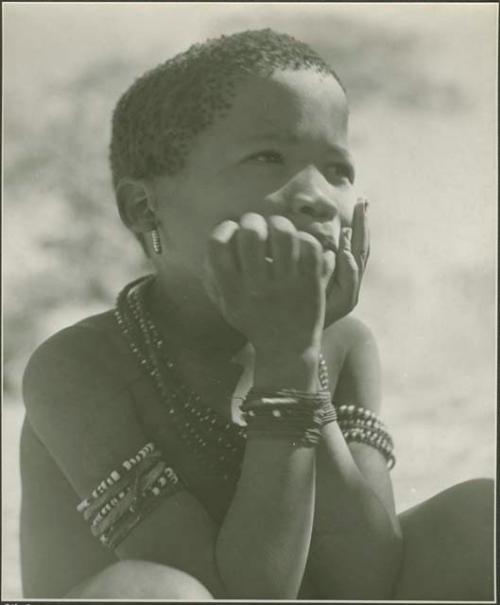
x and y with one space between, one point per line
363 200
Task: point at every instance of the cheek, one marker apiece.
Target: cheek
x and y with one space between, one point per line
182 226
231 202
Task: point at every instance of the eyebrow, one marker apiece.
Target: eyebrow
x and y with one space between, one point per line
291 139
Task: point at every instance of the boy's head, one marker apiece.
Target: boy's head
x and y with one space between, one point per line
253 122
156 120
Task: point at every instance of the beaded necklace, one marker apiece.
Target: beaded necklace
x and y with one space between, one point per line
217 443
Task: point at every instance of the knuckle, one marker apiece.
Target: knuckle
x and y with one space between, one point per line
309 242
253 226
353 265
227 226
216 243
223 232
249 216
249 235
281 224
251 220
364 253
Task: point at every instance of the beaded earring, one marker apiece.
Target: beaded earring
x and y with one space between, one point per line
155 236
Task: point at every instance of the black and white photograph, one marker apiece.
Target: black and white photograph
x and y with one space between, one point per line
249 256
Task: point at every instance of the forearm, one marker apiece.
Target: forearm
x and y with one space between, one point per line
356 541
263 544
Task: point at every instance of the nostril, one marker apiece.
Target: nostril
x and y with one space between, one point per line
307 210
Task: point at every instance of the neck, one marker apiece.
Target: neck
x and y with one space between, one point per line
188 318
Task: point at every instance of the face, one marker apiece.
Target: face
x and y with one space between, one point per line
281 149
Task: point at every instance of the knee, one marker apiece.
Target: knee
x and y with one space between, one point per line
449 544
479 492
460 519
136 579
472 499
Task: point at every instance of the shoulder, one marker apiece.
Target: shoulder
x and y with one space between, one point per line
344 337
92 331
85 361
352 358
95 342
78 399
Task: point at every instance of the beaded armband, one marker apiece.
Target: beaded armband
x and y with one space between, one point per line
290 414
364 426
127 495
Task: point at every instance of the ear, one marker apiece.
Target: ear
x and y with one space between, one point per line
136 205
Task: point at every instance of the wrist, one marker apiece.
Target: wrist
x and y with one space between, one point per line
285 369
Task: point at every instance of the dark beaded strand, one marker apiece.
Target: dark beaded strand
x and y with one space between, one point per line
202 428
188 414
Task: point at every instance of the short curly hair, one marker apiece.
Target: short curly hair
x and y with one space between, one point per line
157 118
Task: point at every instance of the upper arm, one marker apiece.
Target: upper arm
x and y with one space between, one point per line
81 413
359 383
86 418
358 380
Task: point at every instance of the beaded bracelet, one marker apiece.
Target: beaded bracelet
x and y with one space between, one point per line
129 478
115 476
112 532
329 413
145 504
364 426
125 498
288 413
151 485
119 502
356 412
378 432
370 439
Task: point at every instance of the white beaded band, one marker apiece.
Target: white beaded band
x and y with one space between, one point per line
115 476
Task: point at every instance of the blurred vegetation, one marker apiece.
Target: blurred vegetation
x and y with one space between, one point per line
65 251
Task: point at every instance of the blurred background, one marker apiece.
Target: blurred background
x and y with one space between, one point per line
422 83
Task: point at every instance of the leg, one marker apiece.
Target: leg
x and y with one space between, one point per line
136 580
448 545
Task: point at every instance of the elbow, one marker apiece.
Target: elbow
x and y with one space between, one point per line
260 589
397 549
242 582
255 575
372 573
389 568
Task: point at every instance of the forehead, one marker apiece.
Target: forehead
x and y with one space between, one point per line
293 95
294 104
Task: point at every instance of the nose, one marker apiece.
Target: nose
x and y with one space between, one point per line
307 195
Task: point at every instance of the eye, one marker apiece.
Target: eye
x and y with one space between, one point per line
267 156
340 171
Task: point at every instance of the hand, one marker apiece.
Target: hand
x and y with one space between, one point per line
354 249
278 305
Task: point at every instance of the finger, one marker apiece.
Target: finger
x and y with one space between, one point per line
345 244
329 262
360 234
251 243
210 282
221 250
310 256
284 246
346 270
